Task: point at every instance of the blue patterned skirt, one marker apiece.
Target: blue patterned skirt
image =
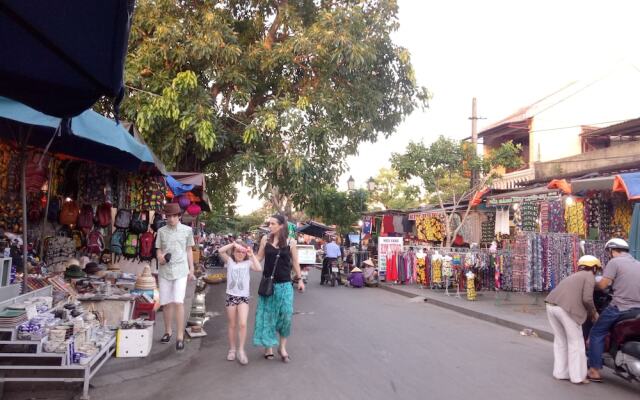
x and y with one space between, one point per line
273 316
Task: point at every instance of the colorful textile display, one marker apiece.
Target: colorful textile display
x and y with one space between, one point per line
544 217
436 269
529 215
556 216
621 223
574 219
471 286
430 228
488 229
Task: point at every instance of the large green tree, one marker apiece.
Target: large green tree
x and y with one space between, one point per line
392 192
445 168
334 207
275 92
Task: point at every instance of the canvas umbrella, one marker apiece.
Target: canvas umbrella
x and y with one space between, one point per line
60 58
89 136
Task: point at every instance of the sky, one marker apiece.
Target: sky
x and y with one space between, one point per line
506 53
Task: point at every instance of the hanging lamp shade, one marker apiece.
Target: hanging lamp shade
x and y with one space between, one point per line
193 209
184 201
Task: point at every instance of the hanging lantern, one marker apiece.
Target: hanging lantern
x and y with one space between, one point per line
194 209
184 201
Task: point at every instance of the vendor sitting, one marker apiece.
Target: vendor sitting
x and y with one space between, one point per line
356 278
370 273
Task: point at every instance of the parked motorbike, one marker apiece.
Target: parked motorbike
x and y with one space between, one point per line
622 351
332 274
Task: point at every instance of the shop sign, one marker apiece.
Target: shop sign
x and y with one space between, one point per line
520 199
387 245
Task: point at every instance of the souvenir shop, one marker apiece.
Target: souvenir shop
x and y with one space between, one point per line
85 222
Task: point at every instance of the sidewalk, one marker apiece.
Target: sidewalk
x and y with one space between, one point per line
512 310
161 357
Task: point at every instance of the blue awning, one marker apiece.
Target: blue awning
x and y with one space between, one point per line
61 57
90 137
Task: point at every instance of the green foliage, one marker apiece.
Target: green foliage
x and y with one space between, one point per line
280 92
338 208
394 193
445 169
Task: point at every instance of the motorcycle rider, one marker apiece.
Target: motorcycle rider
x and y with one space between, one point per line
622 273
331 253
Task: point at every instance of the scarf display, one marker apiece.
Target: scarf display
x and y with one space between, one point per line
621 222
574 219
529 214
430 228
488 229
556 216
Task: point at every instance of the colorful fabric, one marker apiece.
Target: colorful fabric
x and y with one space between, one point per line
556 216
273 316
574 219
387 224
529 213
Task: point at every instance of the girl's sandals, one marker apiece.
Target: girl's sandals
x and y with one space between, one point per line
242 358
231 355
285 358
269 356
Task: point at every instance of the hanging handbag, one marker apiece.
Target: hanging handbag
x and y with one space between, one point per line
266 283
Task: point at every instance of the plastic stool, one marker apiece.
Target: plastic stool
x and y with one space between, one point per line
144 310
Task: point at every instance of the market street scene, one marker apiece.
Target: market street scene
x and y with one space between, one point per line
349 199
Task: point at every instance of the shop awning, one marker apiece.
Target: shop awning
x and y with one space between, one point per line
315 229
597 183
90 137
629 184
533 194
61 57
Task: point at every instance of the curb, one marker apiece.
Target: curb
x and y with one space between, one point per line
471 313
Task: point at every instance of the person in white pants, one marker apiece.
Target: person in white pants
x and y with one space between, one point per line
568 306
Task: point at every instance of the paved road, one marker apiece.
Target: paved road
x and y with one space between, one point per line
371 344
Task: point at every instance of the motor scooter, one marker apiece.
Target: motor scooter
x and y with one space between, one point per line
622 345
332 273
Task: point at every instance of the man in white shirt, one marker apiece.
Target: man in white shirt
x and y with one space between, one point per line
331 253
174 243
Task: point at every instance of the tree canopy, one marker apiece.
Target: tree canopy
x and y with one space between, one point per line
334 207
445 168
392 192
276 92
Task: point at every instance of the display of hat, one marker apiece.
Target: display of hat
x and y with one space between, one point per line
74 271
172 209
145 281
356 269
368 262
91 268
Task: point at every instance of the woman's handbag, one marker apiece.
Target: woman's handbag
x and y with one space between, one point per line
266 283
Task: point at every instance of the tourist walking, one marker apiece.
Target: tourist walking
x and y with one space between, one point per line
239 260
175 258
274 312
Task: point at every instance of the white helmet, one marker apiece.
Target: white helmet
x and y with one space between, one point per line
616 244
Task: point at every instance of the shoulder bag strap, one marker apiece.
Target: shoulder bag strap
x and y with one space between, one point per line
275 264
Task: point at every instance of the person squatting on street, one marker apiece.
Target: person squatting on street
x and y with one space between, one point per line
356 278
274 313
622 273
370 273
239 260
174 243
568 306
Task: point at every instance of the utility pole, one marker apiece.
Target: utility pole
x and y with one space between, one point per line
474 138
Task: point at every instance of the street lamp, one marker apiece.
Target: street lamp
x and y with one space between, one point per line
371 184
351 183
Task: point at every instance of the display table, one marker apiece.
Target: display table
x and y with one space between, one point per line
113 310
19 359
